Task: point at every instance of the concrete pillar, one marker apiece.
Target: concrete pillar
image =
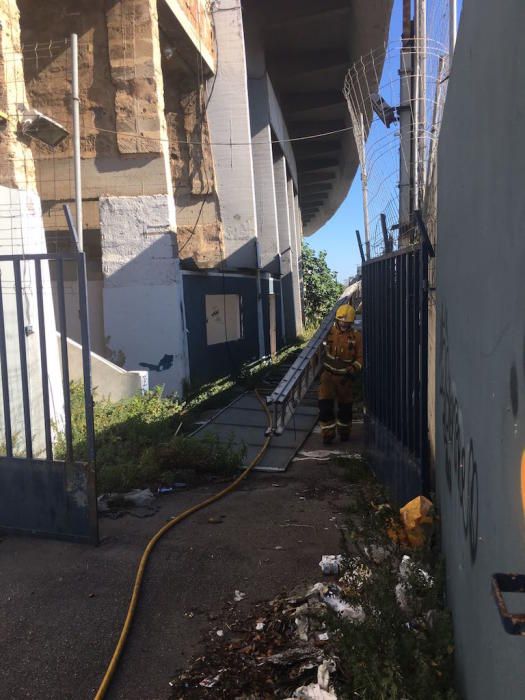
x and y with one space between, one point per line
285 247
143 287
296 285
22 231
229 125
266 205
299 248
143 301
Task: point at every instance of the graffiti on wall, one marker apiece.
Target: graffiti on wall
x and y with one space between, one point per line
460 462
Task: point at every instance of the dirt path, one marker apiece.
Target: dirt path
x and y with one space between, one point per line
62 605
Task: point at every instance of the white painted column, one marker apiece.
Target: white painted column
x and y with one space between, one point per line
295 252
229 125
285 245
266 205
143 298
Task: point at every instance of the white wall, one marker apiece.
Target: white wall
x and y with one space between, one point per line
22 231
143 286
480 374
108 380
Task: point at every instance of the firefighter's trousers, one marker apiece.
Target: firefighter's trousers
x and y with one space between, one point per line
332 388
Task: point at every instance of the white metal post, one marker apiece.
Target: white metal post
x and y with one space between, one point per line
364 183
405 72
452 29
421 47
76 138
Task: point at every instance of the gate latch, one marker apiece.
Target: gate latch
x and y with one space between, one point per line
513 623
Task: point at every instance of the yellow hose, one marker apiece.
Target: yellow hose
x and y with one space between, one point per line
104 685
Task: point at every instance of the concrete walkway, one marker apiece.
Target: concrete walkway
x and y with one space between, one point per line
62 605
244 423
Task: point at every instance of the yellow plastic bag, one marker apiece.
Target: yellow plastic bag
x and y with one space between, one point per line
417 518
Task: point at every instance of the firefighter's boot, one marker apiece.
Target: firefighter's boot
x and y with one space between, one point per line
328 433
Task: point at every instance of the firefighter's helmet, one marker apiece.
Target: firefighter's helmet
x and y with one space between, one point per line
345 313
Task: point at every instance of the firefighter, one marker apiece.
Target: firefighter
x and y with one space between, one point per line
342 361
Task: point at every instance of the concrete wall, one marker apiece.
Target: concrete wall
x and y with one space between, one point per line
480 375
143 287
21 230
109 381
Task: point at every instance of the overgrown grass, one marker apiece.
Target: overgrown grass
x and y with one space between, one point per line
394 653
139 441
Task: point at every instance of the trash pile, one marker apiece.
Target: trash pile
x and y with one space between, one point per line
297 646
282 650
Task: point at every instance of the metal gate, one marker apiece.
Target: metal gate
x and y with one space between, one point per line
47 475
395 333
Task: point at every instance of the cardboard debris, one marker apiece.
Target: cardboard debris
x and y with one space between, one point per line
417 520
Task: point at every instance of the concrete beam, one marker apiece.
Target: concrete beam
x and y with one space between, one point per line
332 11
310 128
195 27
307 101
309 149
316 187
318 164
304 62
315 177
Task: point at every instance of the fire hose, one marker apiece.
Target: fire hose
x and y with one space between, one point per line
135 595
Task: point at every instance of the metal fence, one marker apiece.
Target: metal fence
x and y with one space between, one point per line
395 325
47 475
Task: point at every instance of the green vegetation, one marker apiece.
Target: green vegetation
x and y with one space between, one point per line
321 288
140 441
137 443
396 651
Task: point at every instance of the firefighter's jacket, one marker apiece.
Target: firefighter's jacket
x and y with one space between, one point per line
343 351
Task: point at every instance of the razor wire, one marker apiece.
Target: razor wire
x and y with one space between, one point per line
372 89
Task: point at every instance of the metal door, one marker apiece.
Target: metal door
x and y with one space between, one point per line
47 473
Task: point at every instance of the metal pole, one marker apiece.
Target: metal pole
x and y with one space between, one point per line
76 138
421 43
415 111
384 229
364 183
405 71
360 244
452 30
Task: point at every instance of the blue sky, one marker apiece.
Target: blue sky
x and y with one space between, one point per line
337 236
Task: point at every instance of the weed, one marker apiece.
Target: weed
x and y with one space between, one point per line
397 651
123 431
187 458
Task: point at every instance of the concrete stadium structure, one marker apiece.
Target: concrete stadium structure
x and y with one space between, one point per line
195 193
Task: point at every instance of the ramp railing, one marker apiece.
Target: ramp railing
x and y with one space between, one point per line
296 382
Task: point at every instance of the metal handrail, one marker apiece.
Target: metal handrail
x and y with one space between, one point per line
296 382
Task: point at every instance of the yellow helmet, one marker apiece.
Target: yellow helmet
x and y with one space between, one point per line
345 313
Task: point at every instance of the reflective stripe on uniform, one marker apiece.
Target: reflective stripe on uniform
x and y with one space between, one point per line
331 426
334 370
